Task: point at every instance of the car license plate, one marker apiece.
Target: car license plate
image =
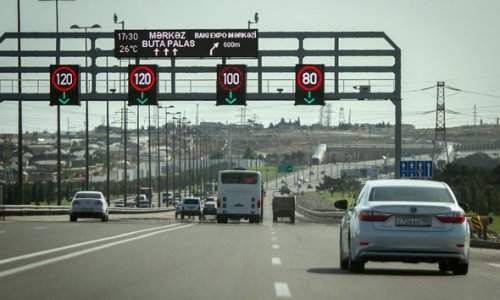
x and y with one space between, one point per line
413 221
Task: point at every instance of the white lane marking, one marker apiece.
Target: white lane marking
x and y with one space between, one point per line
274 238
41 228
35 254
276 261
2 232
281 289
276 246
82 252
494 265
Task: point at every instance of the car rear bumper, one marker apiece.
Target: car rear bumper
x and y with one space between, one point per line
412 247
87 214
190 213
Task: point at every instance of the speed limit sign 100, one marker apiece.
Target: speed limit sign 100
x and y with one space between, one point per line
231 84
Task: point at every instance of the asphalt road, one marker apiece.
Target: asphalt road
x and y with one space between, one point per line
159 257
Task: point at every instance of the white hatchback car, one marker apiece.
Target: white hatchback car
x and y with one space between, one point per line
88 204
406 221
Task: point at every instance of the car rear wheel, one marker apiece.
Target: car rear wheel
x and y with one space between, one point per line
460 268
355 266
72 218
344 261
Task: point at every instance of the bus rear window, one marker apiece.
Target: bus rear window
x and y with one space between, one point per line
239 178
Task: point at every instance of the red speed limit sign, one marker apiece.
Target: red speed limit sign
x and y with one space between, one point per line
309 85
64 85
231 84
142 85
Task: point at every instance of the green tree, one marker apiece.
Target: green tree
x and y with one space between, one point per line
249 153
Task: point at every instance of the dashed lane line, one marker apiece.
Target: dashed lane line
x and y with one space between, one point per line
282 290
276 261
276 246
494 265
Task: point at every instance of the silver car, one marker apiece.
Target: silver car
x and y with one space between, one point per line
406 221
88 204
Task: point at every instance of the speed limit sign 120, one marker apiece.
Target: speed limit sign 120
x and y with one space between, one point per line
64 85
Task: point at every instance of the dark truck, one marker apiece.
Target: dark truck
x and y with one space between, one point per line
148 191
283 206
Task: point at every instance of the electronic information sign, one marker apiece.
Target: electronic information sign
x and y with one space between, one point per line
64 85
416 168
231 85
309 85
186 43
142 85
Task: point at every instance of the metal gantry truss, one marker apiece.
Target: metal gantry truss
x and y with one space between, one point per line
358 66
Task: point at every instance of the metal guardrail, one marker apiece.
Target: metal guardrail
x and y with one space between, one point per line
43 210
325 215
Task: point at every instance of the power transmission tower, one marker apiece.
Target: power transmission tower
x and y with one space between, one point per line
341 116
440 130
321 114
328 116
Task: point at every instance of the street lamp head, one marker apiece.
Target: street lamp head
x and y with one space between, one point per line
112 90
115 18
75 27
256 18
96 26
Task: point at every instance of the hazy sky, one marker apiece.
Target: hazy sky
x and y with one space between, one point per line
456 41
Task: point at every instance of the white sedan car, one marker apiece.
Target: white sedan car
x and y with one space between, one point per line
88 204
407 221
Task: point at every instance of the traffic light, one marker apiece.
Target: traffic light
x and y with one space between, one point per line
309 85
231 85
142 85
64 85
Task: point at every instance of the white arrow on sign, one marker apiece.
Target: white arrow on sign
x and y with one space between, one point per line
166 51
175 51
156 51
429 168
216 45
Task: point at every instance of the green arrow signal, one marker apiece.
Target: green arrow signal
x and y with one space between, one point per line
64 100
231 100
309 100
142 100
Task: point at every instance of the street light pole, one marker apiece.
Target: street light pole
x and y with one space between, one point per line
166 150
158 173
87 155
58 48
125 130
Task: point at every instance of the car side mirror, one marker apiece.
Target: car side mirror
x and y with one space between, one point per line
464 206
341 204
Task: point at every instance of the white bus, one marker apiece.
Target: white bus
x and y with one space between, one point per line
239 196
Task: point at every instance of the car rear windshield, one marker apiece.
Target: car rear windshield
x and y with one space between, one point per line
191 201
88 195
410 193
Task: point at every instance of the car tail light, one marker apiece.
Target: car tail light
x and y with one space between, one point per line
373 216
76 202
258 203
98 203
454 217
218 202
